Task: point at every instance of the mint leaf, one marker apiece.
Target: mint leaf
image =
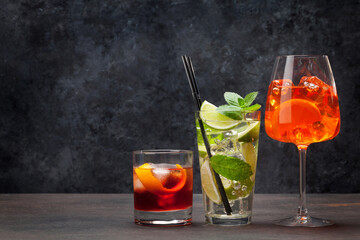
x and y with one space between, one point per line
230 111
252 108
233 99
237 105
231 167
241 102
250 98
228 108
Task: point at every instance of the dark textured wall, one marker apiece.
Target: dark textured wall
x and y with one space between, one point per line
84 83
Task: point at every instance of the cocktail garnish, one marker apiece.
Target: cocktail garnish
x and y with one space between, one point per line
231 167
155 185
238 105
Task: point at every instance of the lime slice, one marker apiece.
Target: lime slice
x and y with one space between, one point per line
214 119
202 154
226 182
251 133
208 183
202 151
249 153
242 190
229 189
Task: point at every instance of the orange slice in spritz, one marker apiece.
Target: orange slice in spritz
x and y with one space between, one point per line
296 111
172 181
295 116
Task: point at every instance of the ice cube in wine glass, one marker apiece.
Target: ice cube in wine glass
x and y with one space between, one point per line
331 104
281 83
313 89
279 91
319 131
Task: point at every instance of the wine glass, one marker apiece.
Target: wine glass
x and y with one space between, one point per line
302 107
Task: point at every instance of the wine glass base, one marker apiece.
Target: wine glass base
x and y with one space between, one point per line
303 221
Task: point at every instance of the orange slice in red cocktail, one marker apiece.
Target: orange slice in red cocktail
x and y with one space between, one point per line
161 181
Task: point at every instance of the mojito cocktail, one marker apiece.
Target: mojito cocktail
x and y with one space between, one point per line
234 147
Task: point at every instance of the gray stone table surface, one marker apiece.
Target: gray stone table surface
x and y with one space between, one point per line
110 216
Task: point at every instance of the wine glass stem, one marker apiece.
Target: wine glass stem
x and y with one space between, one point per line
302 210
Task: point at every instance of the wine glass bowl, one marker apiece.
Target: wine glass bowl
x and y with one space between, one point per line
302 108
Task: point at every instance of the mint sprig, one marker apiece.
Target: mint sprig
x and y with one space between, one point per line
231 111
233 99
231 167
238 105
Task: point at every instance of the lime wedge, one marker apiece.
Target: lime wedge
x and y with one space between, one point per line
226 182
251 133
249 153
214 119
202 154
242 190
208 183
229 189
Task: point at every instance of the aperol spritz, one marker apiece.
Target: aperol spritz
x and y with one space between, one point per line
302 108
302 114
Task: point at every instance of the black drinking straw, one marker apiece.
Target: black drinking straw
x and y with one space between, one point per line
196 95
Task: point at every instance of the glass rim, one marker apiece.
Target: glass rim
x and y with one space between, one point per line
162 151
257 111
303 55
247 116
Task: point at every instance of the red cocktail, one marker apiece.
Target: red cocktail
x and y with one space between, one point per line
163 187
